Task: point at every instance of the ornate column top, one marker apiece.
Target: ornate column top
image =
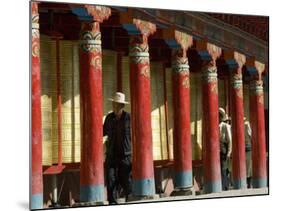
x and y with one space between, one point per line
136 25
255 68
34 15
146 28
208 51
177 39
234 59
94 13
99 13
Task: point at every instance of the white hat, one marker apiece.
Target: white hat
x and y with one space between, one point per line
224 115
119 97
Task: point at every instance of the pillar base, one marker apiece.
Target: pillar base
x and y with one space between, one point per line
259 182
240 184
36 201
212 187
132 198
86 204
183 180
143 187
183 192
92 193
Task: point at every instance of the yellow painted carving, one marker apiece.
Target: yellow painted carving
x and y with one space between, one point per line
261 99
214 88
239 92
35 48
145 71
185 82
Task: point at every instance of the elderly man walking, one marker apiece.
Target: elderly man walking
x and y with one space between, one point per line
118 163
248 149
225 148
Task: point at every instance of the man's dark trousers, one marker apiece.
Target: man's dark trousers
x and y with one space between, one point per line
119 175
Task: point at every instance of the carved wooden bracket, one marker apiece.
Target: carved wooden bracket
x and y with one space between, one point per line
90 13
135 25
213 50
99 13
172 35
235 61
235 56
253 64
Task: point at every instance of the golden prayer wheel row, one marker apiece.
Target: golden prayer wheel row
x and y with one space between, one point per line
70 108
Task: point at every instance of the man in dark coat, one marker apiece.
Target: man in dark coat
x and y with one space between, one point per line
225 148
118 163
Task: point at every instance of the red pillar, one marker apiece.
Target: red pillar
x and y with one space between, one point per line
258 134
235 63
210 121
237 129
181 108
36 150
91 167
143 172
211 145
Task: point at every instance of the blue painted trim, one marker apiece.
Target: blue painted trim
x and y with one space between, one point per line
36 201
251 70
82 14
172 43
143 187
131 29
92 193
240 184
213 187
204 55
232 64
120 9
259 183
196 37
161 26
151 11
183 179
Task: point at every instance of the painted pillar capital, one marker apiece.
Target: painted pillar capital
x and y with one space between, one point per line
139 54
176 39
180 62
136 25
179 42
99 13
256 88
208 52
90 37
255 68
145 27
90 42
91 13
234 60
180 66
35 30
34 15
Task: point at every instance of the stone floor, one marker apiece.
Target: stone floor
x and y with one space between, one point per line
157 198
229 193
